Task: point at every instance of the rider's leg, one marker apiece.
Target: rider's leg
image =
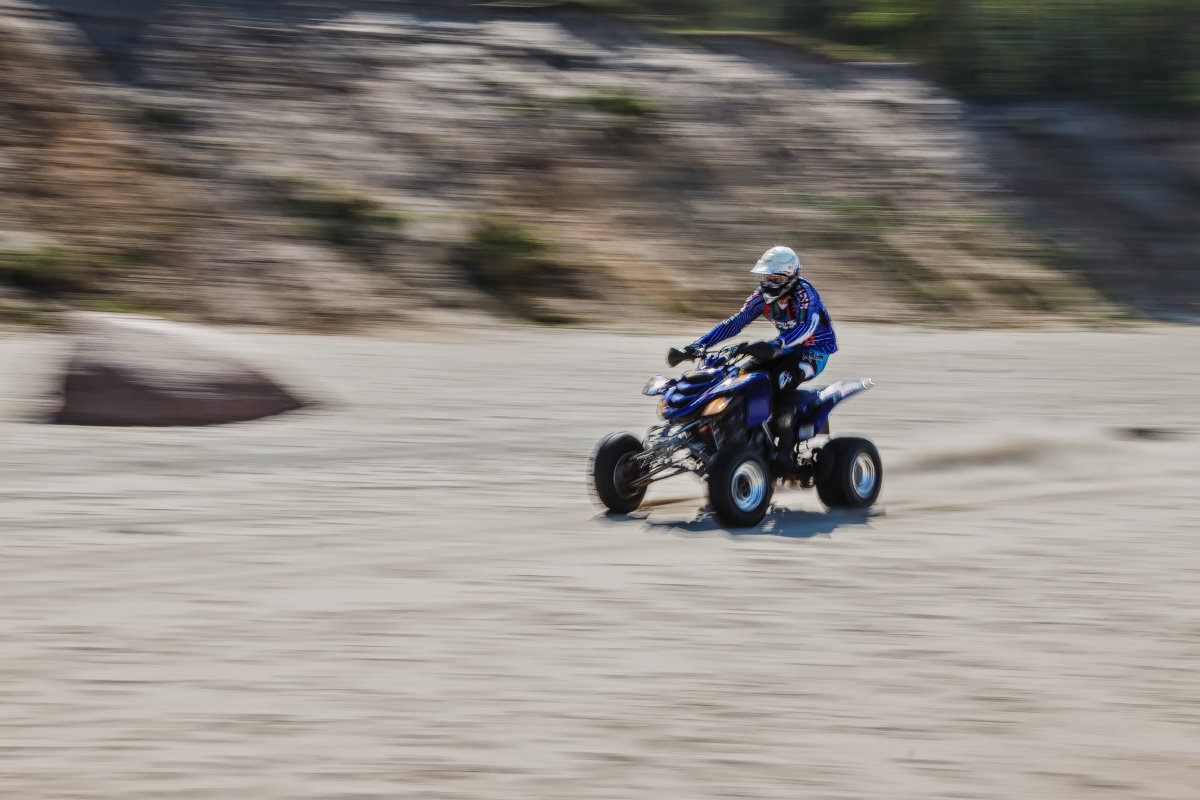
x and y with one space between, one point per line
793 370
786 375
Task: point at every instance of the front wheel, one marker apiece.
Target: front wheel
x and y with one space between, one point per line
849 473
740 485
613 470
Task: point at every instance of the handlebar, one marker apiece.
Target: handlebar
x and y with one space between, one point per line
725 355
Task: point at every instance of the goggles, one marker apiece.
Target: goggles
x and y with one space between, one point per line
774 281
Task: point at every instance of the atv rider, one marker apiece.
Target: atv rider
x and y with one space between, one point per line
798 354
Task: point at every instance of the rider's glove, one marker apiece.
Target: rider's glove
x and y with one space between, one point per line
761 352
687 353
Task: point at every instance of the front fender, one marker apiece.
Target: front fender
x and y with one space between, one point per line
755 387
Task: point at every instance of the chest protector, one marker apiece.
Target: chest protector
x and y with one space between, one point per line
788 312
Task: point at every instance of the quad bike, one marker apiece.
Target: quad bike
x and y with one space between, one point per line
719 425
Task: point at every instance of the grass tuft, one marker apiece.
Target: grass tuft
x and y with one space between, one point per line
338 214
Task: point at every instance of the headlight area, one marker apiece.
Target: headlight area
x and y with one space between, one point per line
656 385
715 407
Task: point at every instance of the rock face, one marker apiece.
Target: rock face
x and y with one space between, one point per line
130 370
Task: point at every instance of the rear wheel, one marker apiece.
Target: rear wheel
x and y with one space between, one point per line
849 473
613 469
740 485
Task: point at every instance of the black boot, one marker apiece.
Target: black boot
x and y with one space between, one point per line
785 453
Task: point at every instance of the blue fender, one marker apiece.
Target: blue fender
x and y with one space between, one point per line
757 388
815 409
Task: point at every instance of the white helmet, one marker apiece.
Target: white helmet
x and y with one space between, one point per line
779 269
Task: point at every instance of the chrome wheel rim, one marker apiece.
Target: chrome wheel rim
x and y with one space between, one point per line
749 485
862 475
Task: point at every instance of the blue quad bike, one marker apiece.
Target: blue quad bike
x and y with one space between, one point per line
719 425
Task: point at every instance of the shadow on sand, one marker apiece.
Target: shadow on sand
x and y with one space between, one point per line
780 521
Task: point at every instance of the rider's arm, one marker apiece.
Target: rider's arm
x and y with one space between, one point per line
732 326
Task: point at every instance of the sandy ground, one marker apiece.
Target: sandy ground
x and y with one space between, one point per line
406 592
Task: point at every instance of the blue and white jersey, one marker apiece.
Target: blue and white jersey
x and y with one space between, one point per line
801 318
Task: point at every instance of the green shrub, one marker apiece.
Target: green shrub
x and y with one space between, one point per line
855 213
925 285
43 271
1144 53
619 103
505 258
339 215
160 116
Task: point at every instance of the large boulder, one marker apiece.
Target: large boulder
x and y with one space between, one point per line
133 370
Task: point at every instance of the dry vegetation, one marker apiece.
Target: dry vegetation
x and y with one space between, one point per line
81 218
341 169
